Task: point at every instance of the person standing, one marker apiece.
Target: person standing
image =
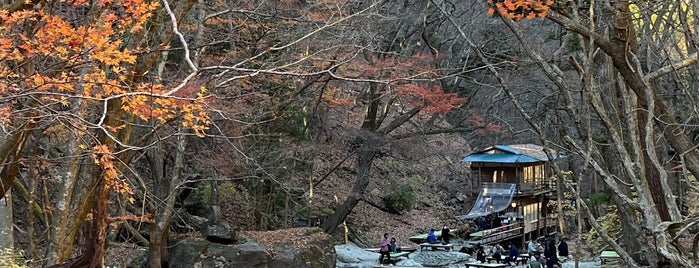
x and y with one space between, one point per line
563 249
385 248
550 253
445 235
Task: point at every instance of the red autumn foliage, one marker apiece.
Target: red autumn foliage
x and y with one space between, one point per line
412 79
519 9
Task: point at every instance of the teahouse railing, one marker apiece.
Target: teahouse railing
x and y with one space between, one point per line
494 235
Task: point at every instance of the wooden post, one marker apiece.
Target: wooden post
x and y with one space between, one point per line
344 224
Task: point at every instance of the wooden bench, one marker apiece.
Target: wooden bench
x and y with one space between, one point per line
438 233
490 259
608 255
396 255
437 245
402 249
477 264
379 266
519 261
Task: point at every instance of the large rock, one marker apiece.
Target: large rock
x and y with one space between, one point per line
219 232
298 247
185 253
440 258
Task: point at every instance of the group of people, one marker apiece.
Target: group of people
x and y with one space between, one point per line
540 256
550 252
497 252
432 237
390 246
387 247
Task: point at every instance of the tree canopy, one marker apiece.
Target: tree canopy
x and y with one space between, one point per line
115 111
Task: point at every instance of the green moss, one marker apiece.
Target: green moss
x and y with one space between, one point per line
416 178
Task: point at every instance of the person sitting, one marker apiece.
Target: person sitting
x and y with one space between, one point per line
504 223
431 237
535 261
514 254
497 251
466 250
393 247
480 253
533 247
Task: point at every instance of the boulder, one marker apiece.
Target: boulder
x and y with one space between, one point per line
248 254
440 258
188 222
186 253
298 247
640 257
219 232
318 254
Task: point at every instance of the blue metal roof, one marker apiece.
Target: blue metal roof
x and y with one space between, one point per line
500 158
508 154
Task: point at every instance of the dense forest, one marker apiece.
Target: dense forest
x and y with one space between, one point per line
128 120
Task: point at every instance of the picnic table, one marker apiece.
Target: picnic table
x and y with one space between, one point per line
479 233
608 255
402 249
436 245
423 237
521 260
478 264
491 258
396 255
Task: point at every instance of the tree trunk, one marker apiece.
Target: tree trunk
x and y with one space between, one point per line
625 40
96 250
365 156
166 190
622 61
10 150
68 216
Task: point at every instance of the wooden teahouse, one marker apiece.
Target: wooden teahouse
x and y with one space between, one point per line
516 184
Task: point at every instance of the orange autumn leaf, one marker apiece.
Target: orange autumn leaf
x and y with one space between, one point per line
519 9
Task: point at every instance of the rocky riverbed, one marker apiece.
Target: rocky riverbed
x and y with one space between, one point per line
352 256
